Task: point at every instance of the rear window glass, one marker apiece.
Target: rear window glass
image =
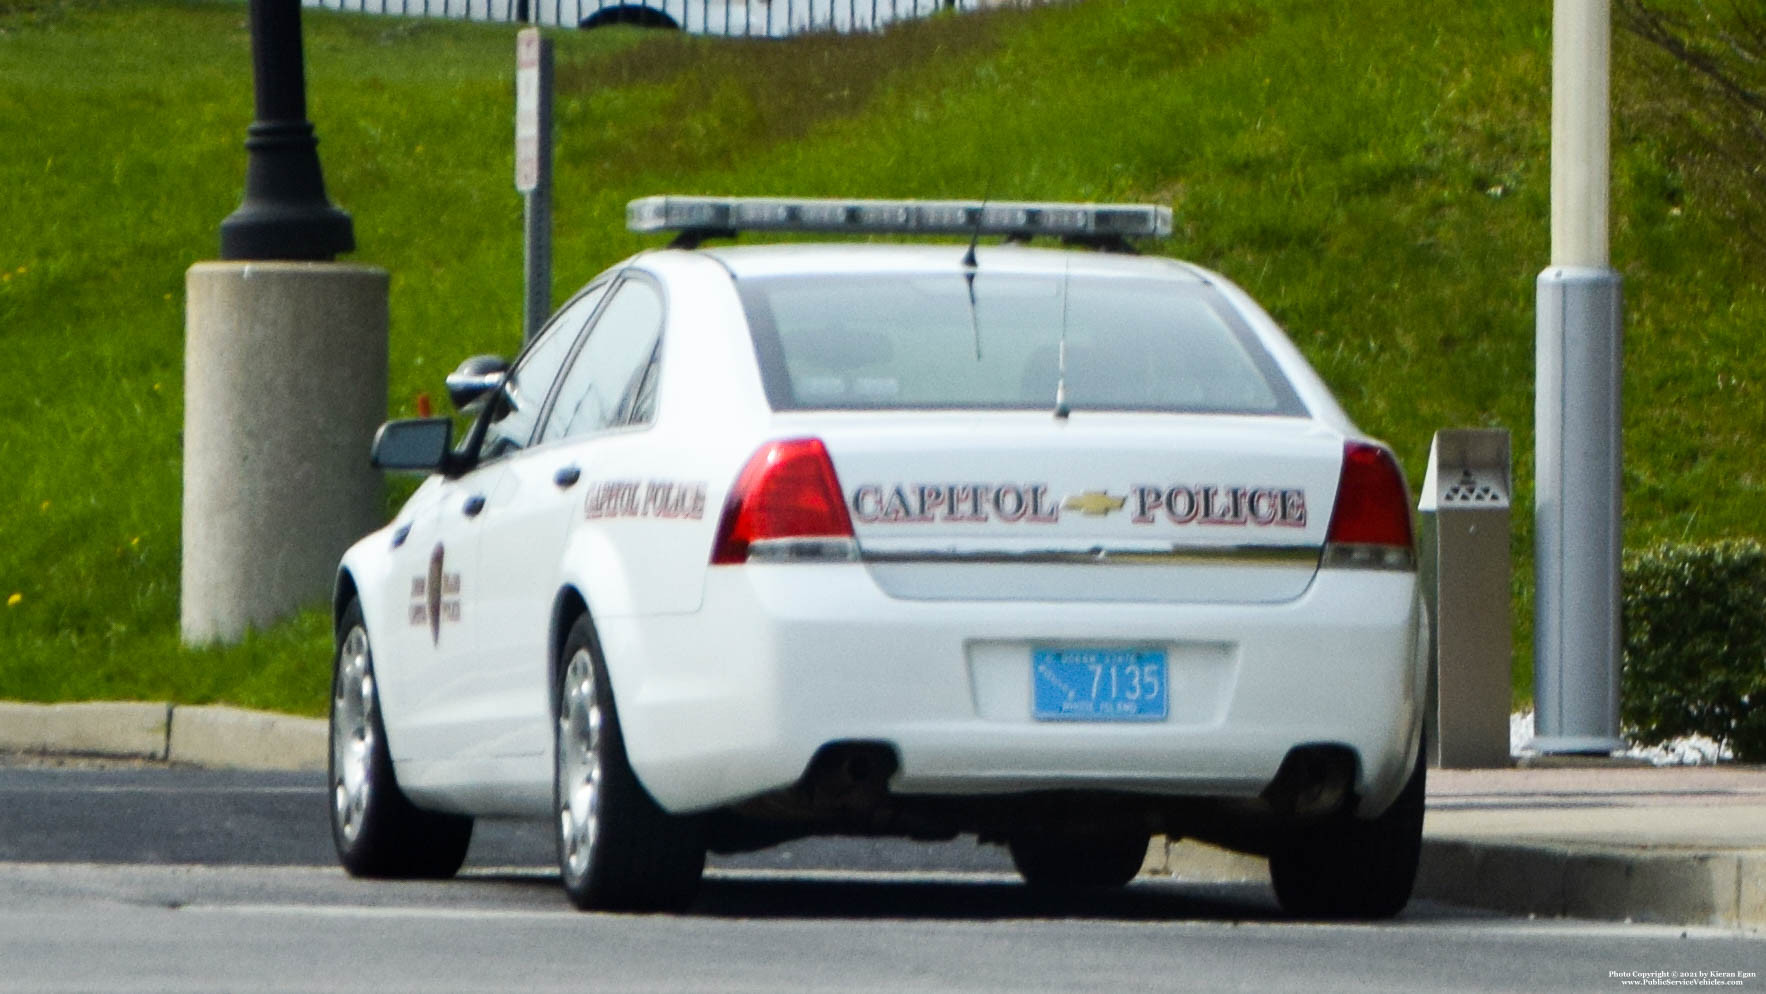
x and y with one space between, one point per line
904 341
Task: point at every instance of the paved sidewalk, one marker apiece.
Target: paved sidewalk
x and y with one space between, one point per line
1680 845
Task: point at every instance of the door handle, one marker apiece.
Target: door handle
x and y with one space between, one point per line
567 476
473 505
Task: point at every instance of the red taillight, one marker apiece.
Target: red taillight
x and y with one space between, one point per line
788 490
1373 505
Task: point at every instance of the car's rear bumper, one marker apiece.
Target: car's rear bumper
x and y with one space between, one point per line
735 699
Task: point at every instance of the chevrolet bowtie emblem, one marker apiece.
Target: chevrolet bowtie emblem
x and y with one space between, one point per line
1095 503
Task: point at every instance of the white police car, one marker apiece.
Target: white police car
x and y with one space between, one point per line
1058 548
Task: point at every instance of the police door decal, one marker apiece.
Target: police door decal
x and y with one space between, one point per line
435 598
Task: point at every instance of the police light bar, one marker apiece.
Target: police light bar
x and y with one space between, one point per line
728 215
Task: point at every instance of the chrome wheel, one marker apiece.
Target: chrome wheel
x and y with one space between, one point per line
579 765
352 734
377 831
617 848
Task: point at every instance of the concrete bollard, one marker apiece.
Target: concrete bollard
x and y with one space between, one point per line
284 386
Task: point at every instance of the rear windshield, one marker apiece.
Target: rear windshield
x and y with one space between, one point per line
905 341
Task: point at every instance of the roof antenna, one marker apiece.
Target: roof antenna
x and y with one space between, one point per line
1062 410
969 262
971 266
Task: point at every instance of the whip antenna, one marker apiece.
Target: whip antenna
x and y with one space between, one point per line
971 266
1062 410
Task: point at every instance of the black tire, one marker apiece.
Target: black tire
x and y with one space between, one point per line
1350 868
1066 862
377 831
617 848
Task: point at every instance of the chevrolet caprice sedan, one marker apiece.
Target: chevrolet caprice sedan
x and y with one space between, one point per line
1061 548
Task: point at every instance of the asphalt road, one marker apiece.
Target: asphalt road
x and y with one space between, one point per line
145 814
150 879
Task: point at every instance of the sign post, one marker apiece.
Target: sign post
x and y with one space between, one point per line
533 172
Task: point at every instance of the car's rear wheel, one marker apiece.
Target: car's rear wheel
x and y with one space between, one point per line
1354 868
1074 861
617 848
377 831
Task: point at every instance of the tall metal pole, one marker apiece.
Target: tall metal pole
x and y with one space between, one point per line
285 214
1576 645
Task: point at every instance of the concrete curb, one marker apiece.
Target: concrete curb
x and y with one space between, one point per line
212 736
1199 862
220 736
100 728
1725 888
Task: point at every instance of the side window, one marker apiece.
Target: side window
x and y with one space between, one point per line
605 385
515 415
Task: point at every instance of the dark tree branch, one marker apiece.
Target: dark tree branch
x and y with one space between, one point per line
1657 28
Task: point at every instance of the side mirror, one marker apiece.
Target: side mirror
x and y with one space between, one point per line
474 380
417 444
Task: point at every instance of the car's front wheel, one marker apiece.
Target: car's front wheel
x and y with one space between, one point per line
377 832
1354 868
617 848
1075 861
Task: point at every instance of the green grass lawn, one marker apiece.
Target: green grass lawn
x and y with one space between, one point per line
1376 174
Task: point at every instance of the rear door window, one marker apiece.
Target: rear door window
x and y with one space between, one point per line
605 385
878 342
516 413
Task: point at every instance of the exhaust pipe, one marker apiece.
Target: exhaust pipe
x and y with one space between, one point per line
1313 781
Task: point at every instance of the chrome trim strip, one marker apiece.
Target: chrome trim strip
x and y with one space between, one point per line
804 550
1346 555
1223 555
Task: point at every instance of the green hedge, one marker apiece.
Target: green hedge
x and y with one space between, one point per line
1695 645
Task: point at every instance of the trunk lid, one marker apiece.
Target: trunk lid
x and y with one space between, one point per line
1101 506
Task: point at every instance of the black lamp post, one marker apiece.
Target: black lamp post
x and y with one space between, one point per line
285 214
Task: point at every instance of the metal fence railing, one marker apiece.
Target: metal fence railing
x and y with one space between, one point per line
723 18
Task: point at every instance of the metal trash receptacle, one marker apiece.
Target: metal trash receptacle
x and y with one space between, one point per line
1465 570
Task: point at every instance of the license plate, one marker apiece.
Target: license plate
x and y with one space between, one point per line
1099 685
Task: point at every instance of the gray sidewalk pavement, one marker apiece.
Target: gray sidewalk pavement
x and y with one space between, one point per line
1678 845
